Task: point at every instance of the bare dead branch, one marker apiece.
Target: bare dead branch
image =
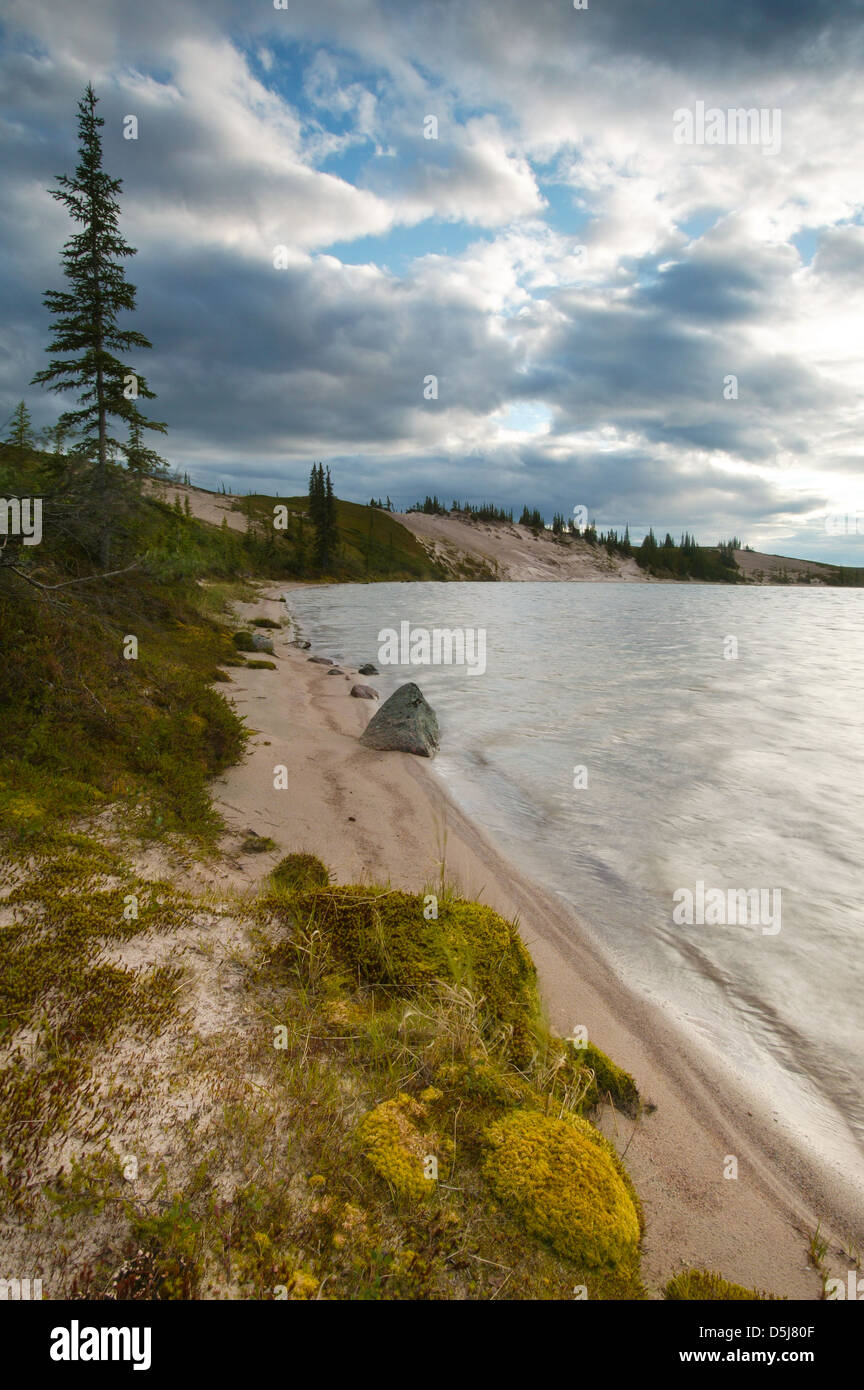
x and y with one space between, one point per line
86 579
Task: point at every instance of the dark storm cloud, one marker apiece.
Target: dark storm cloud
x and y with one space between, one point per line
715 292
282 358
652 373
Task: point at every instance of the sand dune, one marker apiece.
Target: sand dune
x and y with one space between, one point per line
515 553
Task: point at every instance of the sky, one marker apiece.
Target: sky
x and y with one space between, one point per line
510 251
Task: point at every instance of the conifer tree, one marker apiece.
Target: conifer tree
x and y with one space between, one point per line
87 335
322 515
330 517
141 460
21 437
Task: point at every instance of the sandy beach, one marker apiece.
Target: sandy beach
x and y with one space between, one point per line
386 817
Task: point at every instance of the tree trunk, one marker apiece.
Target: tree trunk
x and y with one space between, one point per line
102 464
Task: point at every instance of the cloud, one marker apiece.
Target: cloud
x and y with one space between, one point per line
553 244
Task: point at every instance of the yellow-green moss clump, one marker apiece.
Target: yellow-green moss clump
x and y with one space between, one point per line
396 1148
299 872
704 1286
385 938
559 1180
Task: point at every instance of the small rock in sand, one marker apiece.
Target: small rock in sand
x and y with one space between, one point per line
364 692
322 660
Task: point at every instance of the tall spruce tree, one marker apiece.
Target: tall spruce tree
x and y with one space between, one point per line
86 332
322 514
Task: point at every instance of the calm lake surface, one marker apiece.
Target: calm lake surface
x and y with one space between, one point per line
736 773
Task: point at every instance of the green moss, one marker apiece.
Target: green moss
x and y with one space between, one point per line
265 622
703 1286
557 1179
243 641
300 871
610 1081
260 665
484 1080
385 937
391 1141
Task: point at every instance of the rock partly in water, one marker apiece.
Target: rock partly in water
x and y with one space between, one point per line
364 692
368 670
301 643
260 643
321 660
404 724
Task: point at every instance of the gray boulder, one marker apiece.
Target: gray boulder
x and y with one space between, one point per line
321 660
405 724
368 670
364 692
260 643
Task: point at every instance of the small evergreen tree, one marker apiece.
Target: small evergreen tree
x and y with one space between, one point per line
21 437
140 460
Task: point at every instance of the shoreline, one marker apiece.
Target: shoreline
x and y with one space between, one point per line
386 816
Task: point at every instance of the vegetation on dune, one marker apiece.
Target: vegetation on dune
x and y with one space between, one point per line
86 727
350 1137
444 1079
385 937
63 999
702 1285
340 1138
362 542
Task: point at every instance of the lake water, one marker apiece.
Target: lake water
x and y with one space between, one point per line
702 766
